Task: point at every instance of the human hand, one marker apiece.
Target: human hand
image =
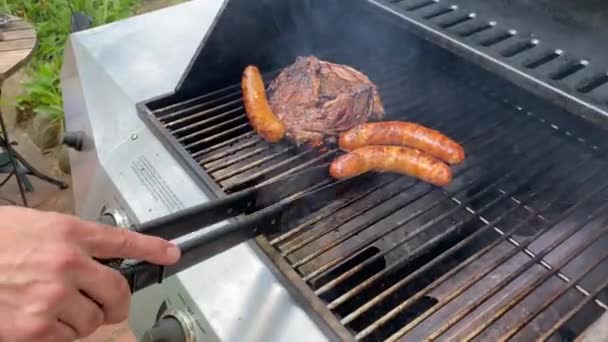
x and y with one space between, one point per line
51 289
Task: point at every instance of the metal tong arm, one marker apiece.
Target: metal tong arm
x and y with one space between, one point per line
244 202
208 242
263 206
189 220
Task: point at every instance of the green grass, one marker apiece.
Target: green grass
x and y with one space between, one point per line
42 95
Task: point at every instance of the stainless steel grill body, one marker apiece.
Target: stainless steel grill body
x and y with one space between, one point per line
124 167
514 248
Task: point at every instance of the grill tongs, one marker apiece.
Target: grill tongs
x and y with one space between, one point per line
257 210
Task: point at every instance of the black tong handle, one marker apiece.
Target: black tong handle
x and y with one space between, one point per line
207 243
210 241
248 201
187 221
265 203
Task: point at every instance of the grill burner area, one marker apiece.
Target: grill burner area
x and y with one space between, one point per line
514 247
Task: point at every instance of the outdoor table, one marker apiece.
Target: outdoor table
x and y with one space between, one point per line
17 43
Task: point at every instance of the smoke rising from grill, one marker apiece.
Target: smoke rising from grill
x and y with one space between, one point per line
271 34
335 30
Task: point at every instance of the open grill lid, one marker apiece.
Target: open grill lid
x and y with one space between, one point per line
249 32
547 47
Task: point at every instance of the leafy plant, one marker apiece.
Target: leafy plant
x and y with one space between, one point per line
52 19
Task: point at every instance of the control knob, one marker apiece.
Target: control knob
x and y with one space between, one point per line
74 140
173 326
115 218
108 219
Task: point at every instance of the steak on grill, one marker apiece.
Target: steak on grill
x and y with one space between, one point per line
316 100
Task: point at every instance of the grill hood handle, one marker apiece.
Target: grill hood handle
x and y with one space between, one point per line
217 235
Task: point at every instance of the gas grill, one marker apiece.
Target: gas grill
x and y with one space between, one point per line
513 249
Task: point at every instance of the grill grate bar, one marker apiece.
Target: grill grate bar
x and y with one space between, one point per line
369 281
295 231
258 162
546 265
320 271
542 262
300 167
242 157
463 188
573 253
354 232
375 237
399 308
467 310
201 114
227 163
240 118
565 318
251 134
207 121
371 206
483 273
512 240
388 104
531 315
235 186
351 271
495 124
159 111
497 263
329 211
391 84
179 113
217 136
176 109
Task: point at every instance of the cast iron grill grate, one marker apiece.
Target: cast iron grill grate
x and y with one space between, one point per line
514 247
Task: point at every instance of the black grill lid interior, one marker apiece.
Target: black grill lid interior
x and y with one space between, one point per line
266 33
522 34
271 34
575 26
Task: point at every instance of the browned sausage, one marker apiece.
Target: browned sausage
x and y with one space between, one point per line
260 115
396 159
403 134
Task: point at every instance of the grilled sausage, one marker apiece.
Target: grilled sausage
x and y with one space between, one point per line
403 134
396 159
260 115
